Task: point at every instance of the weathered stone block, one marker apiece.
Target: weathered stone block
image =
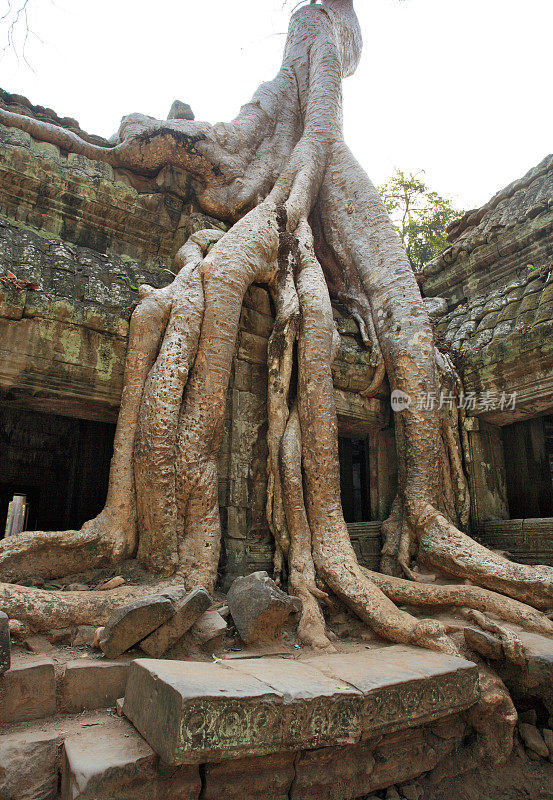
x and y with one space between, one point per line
264 777
113 761
133 622
5 649
92 685
317 711
187 611
29 765
194 713
28 692
404 686
259 608
533 739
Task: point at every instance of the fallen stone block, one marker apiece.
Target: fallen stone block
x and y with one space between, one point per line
84 636
29 765
91 685
209 631
187 611
5 650
533 739
259 608
484 643
131 623
111 761
28 692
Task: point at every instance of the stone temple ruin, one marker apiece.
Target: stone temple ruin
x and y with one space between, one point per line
77 237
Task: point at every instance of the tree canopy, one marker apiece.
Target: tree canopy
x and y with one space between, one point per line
420 215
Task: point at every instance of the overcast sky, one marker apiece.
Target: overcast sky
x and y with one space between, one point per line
458 88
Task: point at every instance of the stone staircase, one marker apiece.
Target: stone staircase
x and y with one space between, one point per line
335 727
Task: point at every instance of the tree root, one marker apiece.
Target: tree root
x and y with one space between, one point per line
43 610
406 592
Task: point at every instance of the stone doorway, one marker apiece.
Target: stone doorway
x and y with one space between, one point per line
61 464
355 479
528 449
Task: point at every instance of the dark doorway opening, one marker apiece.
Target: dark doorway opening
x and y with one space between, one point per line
61 464
355 479
528 448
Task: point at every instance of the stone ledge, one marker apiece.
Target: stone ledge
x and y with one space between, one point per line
198 713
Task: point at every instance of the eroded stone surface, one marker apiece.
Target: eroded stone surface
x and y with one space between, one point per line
259 608
133 622
404 685
29 765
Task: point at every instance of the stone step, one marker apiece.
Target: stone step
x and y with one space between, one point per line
102 757
112 760
199 713
41 688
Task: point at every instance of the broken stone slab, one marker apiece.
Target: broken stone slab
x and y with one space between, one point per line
317 711
199 713
533 680
187 611
111 760
192 712
28 692
533 739
259 608
131 623
5 647
484 643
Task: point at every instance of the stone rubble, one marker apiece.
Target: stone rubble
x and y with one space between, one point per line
188 610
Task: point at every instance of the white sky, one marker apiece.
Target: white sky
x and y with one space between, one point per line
459 88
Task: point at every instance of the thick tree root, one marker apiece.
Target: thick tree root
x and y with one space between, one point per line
42 610
442 546
406 592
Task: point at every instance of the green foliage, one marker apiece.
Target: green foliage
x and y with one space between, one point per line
420 215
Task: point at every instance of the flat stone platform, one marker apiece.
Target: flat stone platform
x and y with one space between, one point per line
193 713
